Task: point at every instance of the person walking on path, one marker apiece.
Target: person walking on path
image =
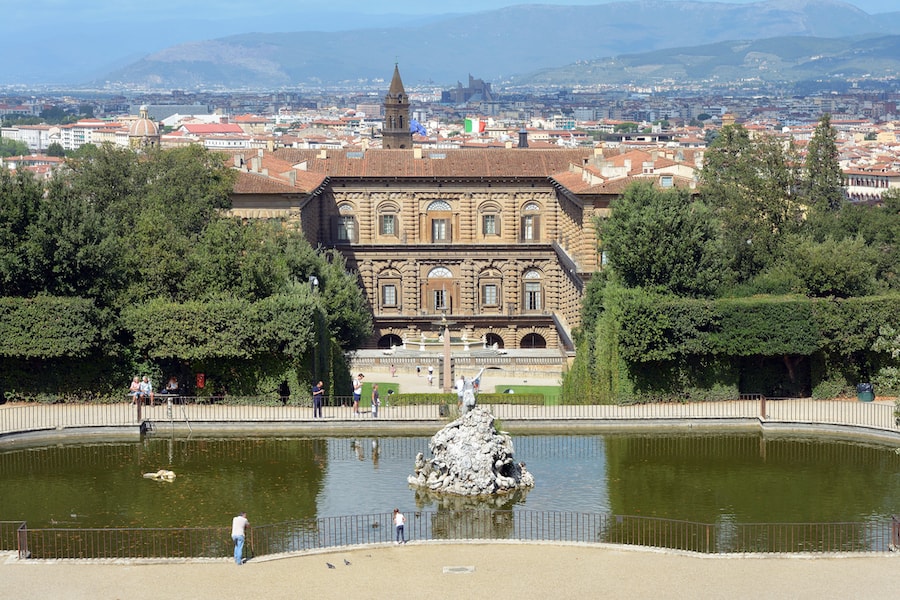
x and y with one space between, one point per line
357 392
375 400
318 394
238 525
399 523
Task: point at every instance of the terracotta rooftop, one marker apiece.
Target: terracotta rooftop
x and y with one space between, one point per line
492 162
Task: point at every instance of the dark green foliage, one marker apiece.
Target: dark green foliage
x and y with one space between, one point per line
750 184
48 327
663 240
20 202
803 293
55 149
172 285
12 147
822 176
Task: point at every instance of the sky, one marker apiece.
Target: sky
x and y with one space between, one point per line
94 37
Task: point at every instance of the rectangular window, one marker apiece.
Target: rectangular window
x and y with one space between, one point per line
389 295
345 229
533 295
440 299
489 295
489 224
388 225
528 228
440 230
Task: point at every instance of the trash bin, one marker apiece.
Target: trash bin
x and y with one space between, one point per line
865 392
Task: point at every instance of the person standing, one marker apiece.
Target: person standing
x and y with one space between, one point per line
375 400
430 374
399 524
357 392
238 526
393 371
318 394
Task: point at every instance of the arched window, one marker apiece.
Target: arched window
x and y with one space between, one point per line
440 291
533 340
345 225
389 340
531 223
492 338
438 205
440 214
439 272
532 290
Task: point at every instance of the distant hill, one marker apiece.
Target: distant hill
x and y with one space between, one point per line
497 45
782 59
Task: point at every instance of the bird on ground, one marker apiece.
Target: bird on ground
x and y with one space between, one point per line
330 566
346 562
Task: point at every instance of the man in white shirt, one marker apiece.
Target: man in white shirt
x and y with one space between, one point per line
238 525
357 392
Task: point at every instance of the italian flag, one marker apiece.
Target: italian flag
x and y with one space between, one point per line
474 125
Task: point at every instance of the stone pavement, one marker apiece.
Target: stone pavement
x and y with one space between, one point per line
464 571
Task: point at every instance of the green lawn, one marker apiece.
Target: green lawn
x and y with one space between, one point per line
550 392
383 388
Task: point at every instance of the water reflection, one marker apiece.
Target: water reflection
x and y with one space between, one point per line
720 479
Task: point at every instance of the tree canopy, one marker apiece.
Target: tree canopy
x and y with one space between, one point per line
144 241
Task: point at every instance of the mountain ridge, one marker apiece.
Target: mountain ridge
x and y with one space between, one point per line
500 45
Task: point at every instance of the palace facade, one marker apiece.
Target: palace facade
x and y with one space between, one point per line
500 242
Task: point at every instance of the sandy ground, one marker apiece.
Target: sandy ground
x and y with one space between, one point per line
461 570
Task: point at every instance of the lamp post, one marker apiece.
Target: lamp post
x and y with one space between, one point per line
448 378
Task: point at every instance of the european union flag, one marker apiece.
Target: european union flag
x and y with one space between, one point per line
416 127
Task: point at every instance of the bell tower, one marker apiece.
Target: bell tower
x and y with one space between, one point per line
395 134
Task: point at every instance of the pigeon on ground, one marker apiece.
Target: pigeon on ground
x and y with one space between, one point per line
330 566
346 562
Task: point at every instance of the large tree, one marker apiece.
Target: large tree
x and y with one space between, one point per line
663 239
751 183
822 176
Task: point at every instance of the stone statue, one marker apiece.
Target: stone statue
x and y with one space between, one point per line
471 458
468 397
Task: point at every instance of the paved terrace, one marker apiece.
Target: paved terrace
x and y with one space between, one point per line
461 570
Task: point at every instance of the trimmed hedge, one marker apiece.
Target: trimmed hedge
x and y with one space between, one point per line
48 327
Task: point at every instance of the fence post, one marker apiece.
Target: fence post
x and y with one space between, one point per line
22 539
895 532
762 407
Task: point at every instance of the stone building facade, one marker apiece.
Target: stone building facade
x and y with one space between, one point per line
483 237
498 242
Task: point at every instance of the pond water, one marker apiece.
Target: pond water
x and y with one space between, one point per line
703 478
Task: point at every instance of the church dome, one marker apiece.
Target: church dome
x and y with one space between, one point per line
143 127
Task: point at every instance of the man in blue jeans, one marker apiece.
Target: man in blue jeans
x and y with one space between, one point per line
318 394
238 525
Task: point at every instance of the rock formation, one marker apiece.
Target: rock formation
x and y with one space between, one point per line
471 458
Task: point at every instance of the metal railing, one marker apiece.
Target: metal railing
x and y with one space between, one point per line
180 409
453 525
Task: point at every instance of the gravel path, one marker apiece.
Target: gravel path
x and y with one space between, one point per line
462 570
